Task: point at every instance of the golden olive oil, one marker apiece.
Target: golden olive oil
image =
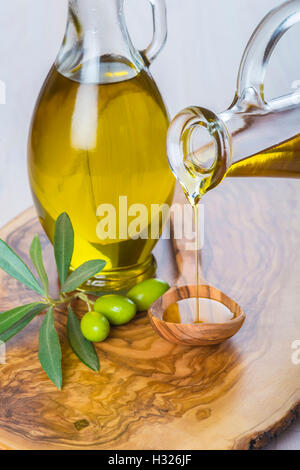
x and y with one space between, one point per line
282 160
89 145
186 311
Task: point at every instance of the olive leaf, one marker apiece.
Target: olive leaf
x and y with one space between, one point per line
50 350
63 245
83 348
12 264
82 274
9 318
13 321
37 259
19 325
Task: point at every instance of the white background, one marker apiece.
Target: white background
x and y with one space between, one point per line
198 66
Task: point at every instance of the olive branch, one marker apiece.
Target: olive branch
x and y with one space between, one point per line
15 320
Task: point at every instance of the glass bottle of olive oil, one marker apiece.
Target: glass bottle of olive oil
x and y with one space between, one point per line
253 137
97 143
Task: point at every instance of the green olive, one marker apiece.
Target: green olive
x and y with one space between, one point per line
146 292
94 327
117 308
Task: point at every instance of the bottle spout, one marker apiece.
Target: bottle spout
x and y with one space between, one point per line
199 151
97 47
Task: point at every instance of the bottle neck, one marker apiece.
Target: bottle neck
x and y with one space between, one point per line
255 130
97 47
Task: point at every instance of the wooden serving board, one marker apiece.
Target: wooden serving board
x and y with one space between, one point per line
151 394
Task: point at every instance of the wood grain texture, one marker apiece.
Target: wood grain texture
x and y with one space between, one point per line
151 394
191 334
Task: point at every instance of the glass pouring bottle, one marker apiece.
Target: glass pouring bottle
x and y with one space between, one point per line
252 137
97 142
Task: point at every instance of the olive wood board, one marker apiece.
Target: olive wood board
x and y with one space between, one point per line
151 394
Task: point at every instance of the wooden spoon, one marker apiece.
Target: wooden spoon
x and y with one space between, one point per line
193 334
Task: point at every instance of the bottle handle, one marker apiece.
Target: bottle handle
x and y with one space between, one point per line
260 48
160 31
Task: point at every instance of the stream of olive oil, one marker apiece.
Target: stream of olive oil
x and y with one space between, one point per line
197 309
91 143
197 260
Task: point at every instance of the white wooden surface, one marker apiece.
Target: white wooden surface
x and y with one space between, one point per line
198 66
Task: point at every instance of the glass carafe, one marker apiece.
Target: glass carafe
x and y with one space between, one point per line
97 143
251 138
